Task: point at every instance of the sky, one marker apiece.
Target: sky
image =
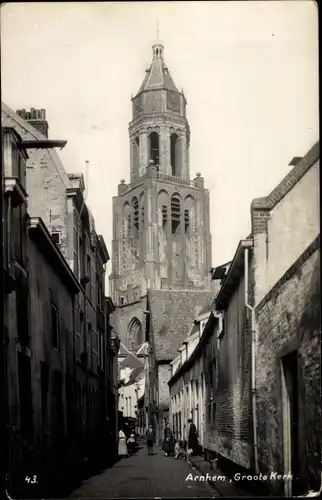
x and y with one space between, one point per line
249 71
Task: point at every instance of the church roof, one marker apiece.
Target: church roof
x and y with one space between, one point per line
158 75
172 314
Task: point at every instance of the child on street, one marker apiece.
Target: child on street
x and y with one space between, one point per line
150 439
177 449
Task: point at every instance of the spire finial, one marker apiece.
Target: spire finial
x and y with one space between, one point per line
158 29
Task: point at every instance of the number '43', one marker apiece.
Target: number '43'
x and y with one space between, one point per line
31 480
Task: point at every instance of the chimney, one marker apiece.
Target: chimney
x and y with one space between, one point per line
36 118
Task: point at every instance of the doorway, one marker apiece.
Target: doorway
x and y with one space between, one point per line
290 403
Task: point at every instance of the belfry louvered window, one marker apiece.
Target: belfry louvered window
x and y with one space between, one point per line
136 213
164 215
186 220
175 214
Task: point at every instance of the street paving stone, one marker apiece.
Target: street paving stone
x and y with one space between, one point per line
144 476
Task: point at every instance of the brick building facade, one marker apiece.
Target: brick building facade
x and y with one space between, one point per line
268 368
59 199
232 416
188 383
171 314
288 322
39 323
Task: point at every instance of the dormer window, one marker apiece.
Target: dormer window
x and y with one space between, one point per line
56 238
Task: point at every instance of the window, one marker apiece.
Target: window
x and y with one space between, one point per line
164 215
209 414
80 336
101 351
186 220
92 281
122 300
81 257
94 350
89 275
174 147
154 148
18 221
76 248
55 326
213 417
99 292
22 306
175 214
135 205
56 238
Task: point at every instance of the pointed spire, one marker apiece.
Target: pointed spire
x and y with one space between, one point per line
158 76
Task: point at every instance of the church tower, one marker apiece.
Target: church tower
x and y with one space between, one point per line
161 231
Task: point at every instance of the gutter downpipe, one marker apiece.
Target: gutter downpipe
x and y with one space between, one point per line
254 346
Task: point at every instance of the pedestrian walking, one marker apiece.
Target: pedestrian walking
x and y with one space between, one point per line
122 446
192 438
168 441
149 439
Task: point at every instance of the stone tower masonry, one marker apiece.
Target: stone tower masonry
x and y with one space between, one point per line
161 231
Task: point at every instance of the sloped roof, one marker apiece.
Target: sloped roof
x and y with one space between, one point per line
172 315
27 131
142 349
123 351
194 329
158 75
135 375
131 361
289 181
206 308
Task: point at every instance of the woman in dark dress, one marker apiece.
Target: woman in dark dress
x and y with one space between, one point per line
168 441
192 437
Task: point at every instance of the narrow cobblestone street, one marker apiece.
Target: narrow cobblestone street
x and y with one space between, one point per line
143 476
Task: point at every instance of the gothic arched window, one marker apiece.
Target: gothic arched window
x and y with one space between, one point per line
154 148
175 214
135 208
174 162
136 153
135 333
189 204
